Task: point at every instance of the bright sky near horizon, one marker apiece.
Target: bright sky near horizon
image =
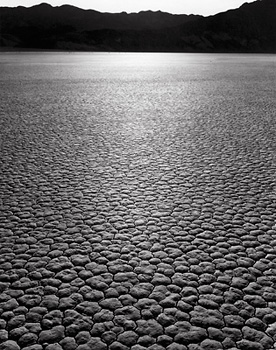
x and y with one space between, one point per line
201 7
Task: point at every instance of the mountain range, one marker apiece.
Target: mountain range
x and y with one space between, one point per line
250 28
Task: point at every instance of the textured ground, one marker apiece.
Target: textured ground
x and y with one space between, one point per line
129 221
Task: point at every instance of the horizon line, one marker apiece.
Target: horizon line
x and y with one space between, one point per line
122 12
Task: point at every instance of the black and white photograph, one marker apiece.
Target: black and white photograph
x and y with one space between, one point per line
138 175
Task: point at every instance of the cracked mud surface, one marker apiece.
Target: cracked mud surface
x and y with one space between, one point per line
138 203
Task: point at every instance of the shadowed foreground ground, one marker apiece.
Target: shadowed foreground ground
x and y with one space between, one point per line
129 221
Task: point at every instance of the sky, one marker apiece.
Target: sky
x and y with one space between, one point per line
200 7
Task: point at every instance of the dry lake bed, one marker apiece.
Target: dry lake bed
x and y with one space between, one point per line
138 201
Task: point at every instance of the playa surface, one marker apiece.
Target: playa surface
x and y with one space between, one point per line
138 202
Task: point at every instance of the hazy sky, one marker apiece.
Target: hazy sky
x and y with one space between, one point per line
202 7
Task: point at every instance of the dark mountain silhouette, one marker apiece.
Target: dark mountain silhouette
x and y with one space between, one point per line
250 28
44 26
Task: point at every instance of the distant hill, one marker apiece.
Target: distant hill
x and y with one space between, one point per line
250 28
